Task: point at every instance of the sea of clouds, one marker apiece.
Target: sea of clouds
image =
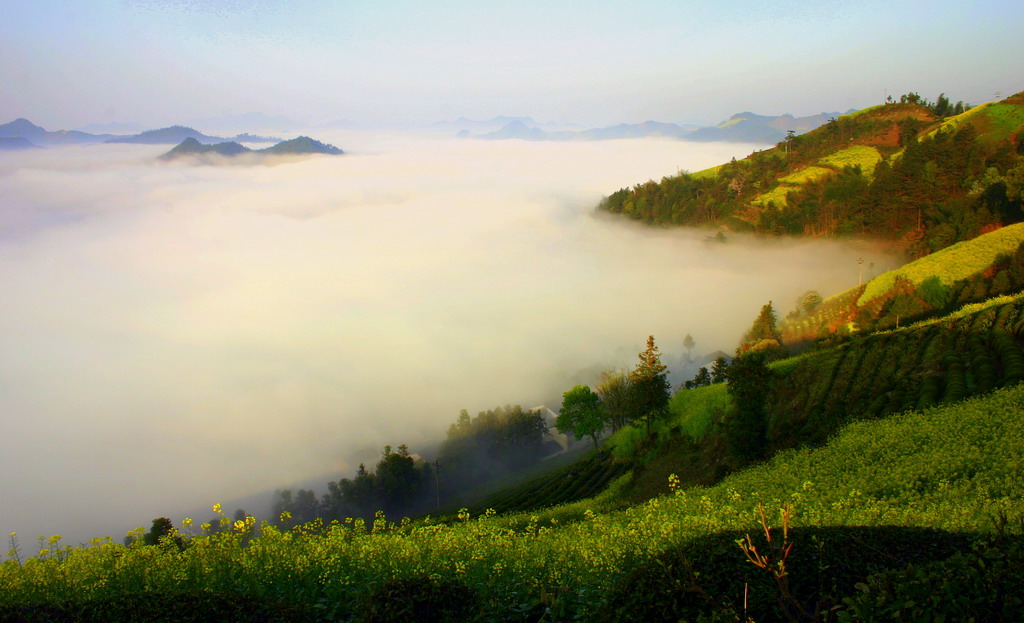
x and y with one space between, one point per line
174 335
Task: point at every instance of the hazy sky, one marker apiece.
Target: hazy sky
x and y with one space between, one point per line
67 63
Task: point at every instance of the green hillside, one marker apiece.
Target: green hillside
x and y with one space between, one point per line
952 264
971 271
911 172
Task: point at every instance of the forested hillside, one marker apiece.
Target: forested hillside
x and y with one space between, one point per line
922 174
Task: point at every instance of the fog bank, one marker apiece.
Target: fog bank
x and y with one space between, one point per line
174 335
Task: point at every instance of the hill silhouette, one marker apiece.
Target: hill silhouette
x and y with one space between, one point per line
15 143
742 127
172 135
192 147
302 145
23 128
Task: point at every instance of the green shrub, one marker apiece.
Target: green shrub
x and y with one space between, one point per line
956 384
694 410
986 584
420 599
1011 356
710 575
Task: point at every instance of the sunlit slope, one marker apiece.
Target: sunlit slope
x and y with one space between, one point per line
863 156
951 467
896 171
970 271
993 121
950 264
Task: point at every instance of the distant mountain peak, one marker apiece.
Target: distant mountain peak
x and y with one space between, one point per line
20 127
302 145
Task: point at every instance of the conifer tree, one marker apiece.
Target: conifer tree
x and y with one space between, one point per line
650 385
764 327
750 379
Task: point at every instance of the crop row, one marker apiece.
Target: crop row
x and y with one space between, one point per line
890 372
580 480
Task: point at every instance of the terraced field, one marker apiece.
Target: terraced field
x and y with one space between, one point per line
582 479
941 361
951 264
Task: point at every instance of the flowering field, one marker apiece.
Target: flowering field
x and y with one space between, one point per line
864 156
955 467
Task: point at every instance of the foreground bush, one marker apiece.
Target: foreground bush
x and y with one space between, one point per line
710 576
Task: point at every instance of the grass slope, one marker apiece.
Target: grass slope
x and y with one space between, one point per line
950 264
994 121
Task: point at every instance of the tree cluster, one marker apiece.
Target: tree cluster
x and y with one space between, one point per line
942 188
622 398
717 374
493 443
398 486
941 107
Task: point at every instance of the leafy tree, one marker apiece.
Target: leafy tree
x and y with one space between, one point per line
650 385
901 306
810 301
616 393
398 481
1014 180
750 380
934 292
582 413
688 344
306 507
492 443
283 502
161 528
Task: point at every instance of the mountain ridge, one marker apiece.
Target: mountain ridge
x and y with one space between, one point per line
23 128
743 127
191 147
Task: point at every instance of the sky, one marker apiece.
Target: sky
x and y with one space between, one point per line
67 64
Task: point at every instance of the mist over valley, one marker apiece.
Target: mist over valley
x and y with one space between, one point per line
178 335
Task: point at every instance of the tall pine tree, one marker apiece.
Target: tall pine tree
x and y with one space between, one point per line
650 385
